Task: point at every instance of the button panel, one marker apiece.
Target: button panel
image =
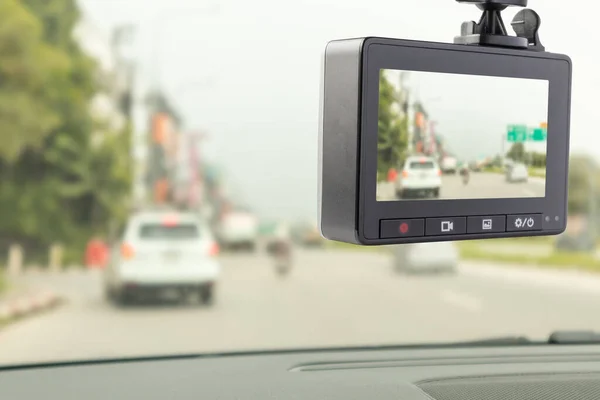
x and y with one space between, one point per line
487 224
446 226
399 228
524 222
450 226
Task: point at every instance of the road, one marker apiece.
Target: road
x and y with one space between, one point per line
481 185
333 299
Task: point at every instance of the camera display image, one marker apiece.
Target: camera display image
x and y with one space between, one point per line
453 136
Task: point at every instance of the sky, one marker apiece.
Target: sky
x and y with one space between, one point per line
474 129
247 73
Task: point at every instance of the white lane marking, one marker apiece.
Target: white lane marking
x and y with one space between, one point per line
529 193
537 181
568 280
462 300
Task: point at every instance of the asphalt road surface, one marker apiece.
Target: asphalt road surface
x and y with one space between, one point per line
331 299
481 185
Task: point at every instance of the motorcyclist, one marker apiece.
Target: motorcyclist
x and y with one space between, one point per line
465 173
281 250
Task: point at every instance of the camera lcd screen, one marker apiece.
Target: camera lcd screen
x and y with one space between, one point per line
454 136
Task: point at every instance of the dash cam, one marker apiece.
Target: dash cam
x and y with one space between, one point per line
423 141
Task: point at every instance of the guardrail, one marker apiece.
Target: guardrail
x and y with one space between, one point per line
16 259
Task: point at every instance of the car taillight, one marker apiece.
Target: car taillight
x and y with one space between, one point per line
405 174
213 250
127 251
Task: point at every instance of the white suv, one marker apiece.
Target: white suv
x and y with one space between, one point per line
163 251
420 177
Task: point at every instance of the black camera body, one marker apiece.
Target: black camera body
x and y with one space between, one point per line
398 116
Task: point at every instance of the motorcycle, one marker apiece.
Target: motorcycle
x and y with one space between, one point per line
281 251
465 175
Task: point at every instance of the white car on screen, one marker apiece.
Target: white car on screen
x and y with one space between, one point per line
517 173
420 177
163 251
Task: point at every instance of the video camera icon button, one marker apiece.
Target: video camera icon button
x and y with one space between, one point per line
446 226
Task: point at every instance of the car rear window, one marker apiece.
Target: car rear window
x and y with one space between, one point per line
165 231
421 165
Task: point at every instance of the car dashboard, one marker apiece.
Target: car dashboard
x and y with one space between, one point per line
532 372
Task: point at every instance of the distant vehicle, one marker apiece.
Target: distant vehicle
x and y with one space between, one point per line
307 234
578 236
281 251
583 242
420 177
475 166
160 252
280 232
238 230
449 165
437 257
465 174
517 173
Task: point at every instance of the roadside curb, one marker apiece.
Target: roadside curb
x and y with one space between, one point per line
26 305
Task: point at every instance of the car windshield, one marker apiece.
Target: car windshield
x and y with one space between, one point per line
115 109
421 165
162 231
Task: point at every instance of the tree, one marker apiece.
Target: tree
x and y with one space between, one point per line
31 73
392 139
497 161
584 179
517 152
56 184
538 160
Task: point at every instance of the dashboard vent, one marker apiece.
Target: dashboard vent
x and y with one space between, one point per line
572 386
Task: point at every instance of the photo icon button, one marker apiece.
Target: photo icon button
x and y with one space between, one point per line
486 224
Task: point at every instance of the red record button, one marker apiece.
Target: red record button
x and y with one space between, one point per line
403 228
396 228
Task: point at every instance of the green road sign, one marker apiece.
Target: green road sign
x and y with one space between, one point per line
516 133
521 133
537 135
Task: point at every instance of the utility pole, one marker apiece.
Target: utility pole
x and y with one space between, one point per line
592 199
406 99
195 193
125 96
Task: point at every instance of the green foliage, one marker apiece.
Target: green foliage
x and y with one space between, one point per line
584 184
538 160
58 18
497 162
392 142
63 175
31 73
517 152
